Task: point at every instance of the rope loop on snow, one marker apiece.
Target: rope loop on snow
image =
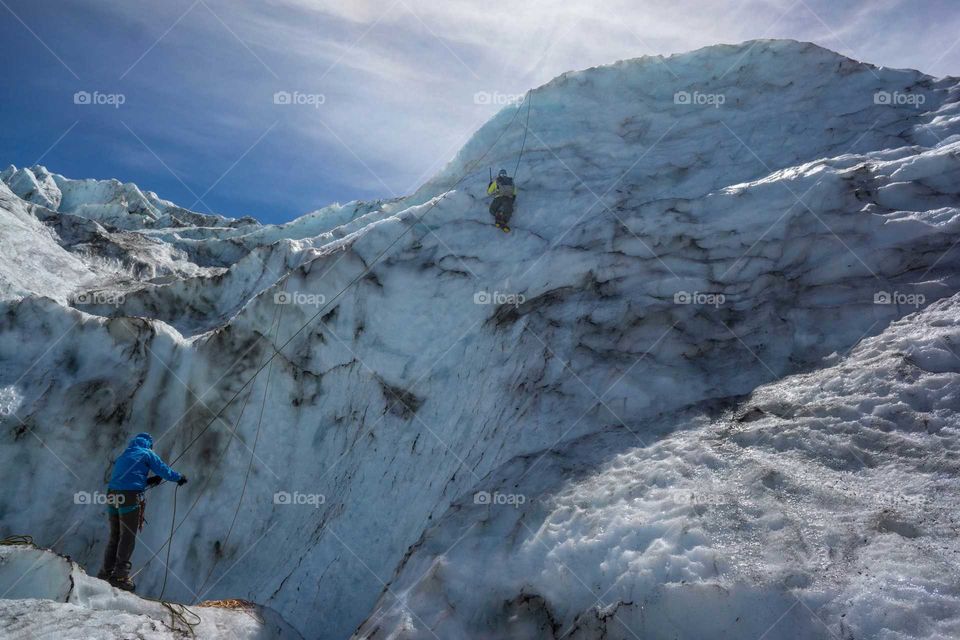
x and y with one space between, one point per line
179 613
18 540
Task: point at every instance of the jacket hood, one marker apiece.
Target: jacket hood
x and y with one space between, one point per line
144 440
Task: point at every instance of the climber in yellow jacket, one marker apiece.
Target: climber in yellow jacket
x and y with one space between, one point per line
504 194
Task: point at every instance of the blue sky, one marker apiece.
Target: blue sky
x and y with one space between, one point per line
384 91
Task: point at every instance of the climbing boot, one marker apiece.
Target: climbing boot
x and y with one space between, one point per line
123 583
120 578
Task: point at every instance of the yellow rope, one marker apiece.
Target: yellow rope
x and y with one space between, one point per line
18 540
235 603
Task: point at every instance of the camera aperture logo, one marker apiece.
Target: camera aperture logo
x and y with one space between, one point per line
699 99
498 99
300 298
699 298
99 297
914 300
299 499
299 99
98 498
899 99
99 99
498 499
498 298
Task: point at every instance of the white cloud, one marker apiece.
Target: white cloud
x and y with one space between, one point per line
400 74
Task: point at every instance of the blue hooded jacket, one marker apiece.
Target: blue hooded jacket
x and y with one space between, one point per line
130 470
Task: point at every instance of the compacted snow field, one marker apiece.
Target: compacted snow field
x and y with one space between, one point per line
49 596
706 388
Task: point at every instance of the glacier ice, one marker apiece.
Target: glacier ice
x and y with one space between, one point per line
712 369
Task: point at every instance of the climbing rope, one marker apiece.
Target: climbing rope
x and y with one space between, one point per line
209 478
278 350
275 326
173 521
278 317
526 127
179 612
350 284
206 483
234 604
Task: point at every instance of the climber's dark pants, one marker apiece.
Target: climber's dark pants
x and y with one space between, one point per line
502 208
123 538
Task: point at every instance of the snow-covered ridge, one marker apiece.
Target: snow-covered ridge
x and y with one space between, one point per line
49 596
832 491
670 256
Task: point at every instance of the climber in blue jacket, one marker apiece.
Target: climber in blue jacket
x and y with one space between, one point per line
125 505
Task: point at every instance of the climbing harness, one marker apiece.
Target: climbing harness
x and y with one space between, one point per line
142 518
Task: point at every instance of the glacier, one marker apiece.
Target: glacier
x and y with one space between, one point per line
47 595
706 388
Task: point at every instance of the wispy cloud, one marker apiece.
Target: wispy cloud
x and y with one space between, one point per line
397 77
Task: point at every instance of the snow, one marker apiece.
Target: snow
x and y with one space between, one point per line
31 261
46 595
748 301
826 497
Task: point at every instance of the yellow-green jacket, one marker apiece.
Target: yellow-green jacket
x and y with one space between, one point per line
500 187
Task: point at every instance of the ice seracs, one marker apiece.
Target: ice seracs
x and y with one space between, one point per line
801 512
672 262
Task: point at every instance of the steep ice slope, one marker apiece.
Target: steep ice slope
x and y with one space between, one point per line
794 205
825 506
31 260
49 596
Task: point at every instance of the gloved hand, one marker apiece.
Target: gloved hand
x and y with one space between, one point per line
153 481
182 481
